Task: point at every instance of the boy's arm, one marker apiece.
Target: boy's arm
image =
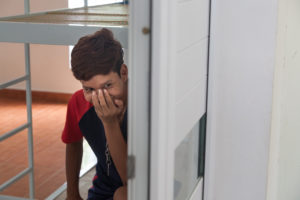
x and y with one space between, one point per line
73 164
110 114
117 148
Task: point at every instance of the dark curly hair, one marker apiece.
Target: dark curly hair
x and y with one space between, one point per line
95 54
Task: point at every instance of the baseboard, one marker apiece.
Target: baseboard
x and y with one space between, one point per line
37 96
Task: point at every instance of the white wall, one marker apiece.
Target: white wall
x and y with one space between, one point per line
49 63
242 59
284 166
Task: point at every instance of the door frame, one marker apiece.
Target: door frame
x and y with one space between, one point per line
139 99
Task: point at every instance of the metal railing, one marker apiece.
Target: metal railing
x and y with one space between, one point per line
28 125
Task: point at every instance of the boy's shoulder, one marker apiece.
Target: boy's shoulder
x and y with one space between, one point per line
77 95
78 102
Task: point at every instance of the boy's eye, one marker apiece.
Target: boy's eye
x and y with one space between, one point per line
107 85
88 89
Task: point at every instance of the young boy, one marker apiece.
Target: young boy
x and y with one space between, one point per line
98 113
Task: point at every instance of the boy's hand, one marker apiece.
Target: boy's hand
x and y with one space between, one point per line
108 111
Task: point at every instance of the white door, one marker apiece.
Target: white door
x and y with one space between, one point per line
168 50
180 31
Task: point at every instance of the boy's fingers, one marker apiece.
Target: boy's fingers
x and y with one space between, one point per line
95 101
102 99
109 101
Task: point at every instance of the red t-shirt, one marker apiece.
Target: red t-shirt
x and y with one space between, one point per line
82 121
77 107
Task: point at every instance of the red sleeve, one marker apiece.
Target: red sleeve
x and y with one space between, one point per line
77 106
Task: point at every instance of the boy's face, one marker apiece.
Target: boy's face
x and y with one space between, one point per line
112 82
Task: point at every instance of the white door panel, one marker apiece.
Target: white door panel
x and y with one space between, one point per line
178 97
192 22
191 68
189 111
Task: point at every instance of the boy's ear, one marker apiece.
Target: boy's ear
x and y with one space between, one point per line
124 72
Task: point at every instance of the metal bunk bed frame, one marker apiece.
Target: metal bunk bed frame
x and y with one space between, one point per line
10 34
28 125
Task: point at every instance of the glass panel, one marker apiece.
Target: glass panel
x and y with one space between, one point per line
189 161
186 164
202 139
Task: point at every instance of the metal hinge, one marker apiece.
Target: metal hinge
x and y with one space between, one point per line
130 167
146 30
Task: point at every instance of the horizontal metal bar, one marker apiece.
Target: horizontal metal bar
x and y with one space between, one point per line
15 178
57 192
63 187
56 34
4 197
12 132
46 12
13 82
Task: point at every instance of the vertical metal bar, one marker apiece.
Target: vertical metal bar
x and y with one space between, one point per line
26 6
85 3
29 120
29 109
